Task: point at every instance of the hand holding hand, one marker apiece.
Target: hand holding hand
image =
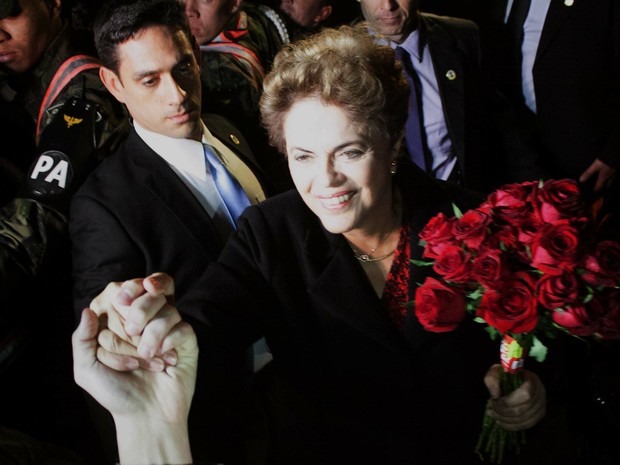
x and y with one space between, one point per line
149 399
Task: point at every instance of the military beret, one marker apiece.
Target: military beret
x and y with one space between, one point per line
9 8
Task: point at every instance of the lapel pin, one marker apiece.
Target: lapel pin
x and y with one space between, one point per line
235 139
569 2
451 75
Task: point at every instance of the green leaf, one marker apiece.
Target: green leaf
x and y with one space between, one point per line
538 350
457 211
479 320
476 294
421 263
493 332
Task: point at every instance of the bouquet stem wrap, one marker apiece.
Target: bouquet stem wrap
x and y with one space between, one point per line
493 441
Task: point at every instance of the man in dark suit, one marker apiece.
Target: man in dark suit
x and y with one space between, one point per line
566 87
441 59
159 202
559 63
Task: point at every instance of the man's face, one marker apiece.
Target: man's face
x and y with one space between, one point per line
25 36
159 81
207 18
306 13
395 19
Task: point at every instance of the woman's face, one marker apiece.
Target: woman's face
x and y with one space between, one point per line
342 177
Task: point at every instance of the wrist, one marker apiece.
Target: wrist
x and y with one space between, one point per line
147 442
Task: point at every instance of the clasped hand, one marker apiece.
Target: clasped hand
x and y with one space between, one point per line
133 353
144 357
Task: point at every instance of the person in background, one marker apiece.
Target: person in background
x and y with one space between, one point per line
238 41
305 17
161 201
323 272
558 62
456 130
49 160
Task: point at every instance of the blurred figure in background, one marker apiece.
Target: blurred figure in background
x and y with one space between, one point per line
46 83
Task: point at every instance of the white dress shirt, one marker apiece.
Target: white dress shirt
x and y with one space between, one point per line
532 31
435 128
186 158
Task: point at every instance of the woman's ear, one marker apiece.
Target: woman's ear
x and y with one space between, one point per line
398 145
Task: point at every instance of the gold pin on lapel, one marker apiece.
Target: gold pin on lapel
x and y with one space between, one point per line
235 139
569 2
451 75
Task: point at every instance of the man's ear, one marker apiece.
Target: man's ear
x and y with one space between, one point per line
112 82
325 13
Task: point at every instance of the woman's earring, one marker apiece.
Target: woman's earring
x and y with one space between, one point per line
393 167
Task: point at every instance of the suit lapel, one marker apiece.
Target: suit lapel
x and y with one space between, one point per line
424 200
557 15
449 74
341 288
174 196
336 269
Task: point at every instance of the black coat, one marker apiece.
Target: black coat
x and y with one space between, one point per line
134 216
347 387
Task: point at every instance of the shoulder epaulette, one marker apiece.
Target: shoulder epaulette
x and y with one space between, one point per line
69 69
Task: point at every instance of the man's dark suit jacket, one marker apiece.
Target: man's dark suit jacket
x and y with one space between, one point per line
577 86
470 106
135 216
349 387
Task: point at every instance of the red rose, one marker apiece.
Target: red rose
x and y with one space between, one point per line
602 268
471 228
436 234
513 203
513 308
528 230
489 269
555 248
557 291
453 264
576 320
560 200
505 238
439 308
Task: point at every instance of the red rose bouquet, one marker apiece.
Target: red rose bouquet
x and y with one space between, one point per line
525 262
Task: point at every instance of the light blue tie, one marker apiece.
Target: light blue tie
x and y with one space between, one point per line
233 196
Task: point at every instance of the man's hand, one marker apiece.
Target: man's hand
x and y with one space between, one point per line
522 408
148 391
603 172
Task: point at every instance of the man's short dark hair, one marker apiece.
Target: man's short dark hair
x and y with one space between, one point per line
121 20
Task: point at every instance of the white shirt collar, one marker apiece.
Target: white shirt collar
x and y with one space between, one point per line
186 155
411 44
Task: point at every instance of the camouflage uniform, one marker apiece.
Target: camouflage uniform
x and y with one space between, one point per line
233 66
235 62
27 226
36 320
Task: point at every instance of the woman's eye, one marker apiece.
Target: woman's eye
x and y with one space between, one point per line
301 156
351 154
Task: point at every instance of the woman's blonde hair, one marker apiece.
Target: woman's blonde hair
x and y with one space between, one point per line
343 67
